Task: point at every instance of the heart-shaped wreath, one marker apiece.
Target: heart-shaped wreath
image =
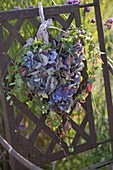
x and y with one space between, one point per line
52 71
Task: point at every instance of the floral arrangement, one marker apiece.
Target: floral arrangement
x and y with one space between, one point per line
54 71
48 75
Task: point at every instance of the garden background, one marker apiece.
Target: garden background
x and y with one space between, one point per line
99 104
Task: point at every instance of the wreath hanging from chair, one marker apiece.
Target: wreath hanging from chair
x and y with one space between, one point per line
47 76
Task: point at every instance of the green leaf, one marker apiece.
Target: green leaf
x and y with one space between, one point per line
9 77
70 39
12 84
52 113
29 103
24 98
91 80
19 82
56 123
8 97
71 149
37 108
81 96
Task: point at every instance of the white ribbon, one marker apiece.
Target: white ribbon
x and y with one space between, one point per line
45 24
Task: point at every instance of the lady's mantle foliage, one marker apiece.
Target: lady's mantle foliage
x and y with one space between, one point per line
51 73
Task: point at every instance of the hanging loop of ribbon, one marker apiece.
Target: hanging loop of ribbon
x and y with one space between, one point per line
42 31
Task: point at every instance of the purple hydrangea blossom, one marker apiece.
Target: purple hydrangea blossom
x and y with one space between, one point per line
62 98
78 47
55 76
29 62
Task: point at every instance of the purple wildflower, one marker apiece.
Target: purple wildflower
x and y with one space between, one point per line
108 23
93 20
30 6
87 9
72 1
16 7
110 20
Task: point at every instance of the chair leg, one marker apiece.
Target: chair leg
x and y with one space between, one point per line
111 166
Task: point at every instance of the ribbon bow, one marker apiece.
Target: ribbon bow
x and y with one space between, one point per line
45 24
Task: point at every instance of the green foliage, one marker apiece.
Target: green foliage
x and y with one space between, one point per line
65 46
99 103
